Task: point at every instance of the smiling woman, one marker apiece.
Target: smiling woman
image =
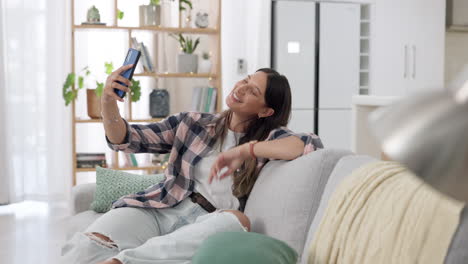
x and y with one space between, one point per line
214 163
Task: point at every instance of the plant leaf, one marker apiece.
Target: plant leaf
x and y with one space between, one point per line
135 91
197 41
109 67
80 82
99 88
120 14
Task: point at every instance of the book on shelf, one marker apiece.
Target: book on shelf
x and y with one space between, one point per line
127 161
145 57
204 99
134 160
90 160
91 163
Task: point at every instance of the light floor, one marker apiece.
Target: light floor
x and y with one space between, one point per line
32 232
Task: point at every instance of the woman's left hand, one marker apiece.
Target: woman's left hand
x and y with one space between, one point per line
232 159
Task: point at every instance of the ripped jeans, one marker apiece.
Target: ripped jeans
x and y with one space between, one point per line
144 236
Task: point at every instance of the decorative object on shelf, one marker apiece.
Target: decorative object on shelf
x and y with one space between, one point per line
93 104
170 13
159 103
187 62
201 20
185 9
205 63
93 17
150 15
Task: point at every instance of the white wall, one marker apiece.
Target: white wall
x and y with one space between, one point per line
4 186
245 35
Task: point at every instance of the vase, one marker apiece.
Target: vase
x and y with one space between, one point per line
93 103
150 15
159 103
169 13
187 63
204 66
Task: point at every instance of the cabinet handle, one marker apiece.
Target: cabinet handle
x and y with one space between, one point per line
414 61
405 62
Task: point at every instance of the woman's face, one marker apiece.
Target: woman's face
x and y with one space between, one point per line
247 98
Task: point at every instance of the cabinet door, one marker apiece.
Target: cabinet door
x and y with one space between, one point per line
335 128
339 54
302 121
390 48
294 48
428 45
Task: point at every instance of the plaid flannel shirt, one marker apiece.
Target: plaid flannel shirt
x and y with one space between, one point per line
184 136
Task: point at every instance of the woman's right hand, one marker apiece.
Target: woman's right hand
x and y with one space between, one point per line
111 84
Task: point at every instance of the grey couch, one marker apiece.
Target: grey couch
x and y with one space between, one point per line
288 201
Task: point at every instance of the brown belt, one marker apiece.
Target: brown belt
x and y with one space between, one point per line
202 201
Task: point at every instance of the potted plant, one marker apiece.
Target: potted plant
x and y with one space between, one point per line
187 62
150 15
205 63
92 95
185 6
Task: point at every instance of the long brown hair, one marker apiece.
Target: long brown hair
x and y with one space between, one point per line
277 97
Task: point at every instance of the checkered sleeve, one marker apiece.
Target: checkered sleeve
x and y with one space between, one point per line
311 141
152 138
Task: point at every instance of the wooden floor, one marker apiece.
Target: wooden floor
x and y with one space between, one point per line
32 232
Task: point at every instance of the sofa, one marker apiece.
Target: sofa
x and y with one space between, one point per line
288 201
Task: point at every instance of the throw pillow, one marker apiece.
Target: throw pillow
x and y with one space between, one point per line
245 248
113 184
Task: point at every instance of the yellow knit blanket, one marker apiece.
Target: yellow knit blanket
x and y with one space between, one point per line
382 213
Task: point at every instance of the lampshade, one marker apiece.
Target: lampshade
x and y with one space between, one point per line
428 133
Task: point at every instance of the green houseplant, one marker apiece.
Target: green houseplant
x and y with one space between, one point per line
187 62
93 95
185 12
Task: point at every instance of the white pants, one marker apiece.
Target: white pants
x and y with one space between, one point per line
144 236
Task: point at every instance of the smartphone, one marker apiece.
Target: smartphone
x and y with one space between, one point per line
132 57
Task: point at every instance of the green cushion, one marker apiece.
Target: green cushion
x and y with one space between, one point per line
113 184
245 248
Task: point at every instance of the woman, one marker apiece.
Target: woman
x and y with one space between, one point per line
166 222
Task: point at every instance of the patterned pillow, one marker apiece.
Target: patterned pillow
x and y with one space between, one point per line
113 184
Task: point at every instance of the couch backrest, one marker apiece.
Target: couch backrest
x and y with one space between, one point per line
287 194
457 253
343 168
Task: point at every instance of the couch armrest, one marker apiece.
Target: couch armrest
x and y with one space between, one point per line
82 197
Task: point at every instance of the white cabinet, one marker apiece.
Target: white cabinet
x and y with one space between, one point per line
302 121
339 54
407 50
335 128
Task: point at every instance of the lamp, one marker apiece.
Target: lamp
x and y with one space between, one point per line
428 133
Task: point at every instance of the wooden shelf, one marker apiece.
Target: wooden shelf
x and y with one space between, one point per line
122 168
176 75
213 36
151 120
152 28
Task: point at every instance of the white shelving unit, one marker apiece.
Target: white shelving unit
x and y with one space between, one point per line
364 60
